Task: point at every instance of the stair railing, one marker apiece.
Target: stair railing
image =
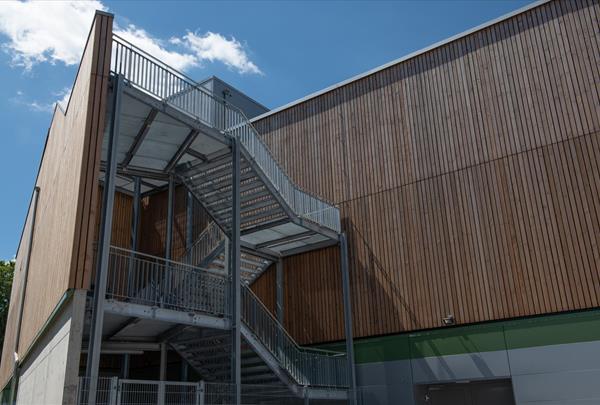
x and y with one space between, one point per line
154 281
312 367
155 78
205 244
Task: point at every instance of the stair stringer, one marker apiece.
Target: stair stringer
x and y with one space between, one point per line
298 390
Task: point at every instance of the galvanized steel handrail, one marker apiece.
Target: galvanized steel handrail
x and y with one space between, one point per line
312 367
149 280
159 80
210 238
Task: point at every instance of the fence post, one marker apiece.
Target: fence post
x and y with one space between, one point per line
200 392
119 392
161 393
114 388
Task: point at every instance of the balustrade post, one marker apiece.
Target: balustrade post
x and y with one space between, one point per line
161 393
200 393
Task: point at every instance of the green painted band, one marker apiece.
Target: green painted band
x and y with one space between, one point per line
513 334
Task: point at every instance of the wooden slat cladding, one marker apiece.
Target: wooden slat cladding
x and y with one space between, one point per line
467 176
153 225
122 219
67 178
523 83
82 262
263 288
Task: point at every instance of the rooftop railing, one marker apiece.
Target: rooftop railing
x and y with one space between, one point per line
150 75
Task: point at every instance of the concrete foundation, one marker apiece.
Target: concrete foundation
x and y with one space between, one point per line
49 373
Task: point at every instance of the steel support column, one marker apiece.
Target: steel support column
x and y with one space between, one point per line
163 362
184 371
348 317
135 216
279 285
108 198
169 236
189 218
135 221
235 261
125 366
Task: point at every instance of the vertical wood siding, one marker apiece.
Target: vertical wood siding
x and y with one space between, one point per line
67 177
153 225
468 179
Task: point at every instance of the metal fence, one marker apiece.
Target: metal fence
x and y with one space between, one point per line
105 391
159 80
317 368
149 280
115 391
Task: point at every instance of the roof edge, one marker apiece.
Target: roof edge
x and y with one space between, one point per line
403 58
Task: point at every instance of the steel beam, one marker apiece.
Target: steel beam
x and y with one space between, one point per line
128 324
286 239
307 248
182 149
93 359
139 138
176 114
165 315
196 154
235 262
348 317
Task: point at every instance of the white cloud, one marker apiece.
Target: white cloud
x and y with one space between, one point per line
46 31
215 47
65 95
55 31
39 106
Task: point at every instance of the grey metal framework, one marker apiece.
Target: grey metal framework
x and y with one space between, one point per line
165 130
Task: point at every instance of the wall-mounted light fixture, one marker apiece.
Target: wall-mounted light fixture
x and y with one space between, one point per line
449 320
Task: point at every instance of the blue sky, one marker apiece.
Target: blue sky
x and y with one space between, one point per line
276 52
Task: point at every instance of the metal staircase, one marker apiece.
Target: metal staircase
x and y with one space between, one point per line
277 219
271 356
209 355
208 251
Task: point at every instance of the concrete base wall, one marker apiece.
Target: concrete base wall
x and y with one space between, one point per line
561 374
49 374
